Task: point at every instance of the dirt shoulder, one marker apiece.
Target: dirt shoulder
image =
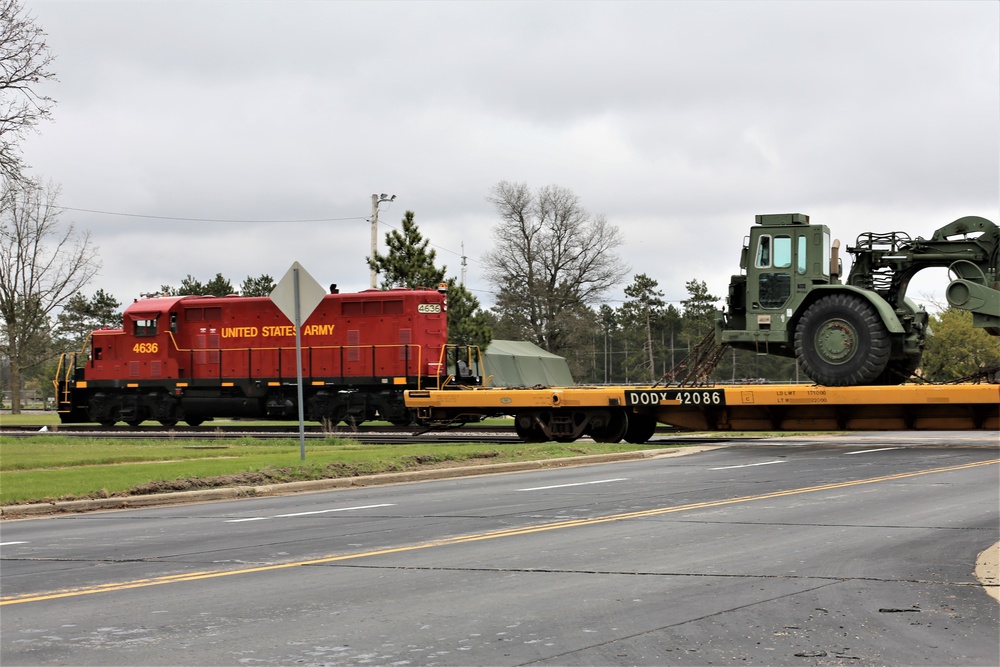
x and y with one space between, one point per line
988 571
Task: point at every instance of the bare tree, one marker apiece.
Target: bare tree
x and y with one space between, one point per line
42 266
24 63
551 260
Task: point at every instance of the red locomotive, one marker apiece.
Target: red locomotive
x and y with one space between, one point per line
193 358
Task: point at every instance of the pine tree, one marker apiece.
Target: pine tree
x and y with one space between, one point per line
408 262
81 316
467 323
261 286
698 312
642 312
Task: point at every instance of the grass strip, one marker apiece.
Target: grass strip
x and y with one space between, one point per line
52 467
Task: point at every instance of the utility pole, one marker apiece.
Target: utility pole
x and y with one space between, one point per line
376 200
463 264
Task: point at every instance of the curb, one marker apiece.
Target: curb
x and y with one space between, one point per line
234 492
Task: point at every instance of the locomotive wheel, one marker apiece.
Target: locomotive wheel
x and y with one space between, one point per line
614 430
194 422
898 371
840 341
168 423
640 428
135 423
108 423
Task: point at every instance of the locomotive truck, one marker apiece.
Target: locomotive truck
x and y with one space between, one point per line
790 300
192 358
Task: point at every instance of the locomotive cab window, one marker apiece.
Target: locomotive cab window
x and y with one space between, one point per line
145 327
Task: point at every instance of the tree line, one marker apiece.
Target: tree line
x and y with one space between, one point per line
551 266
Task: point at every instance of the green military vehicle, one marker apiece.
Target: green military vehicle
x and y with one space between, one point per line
790 300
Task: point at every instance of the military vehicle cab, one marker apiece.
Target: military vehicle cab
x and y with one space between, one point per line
783 256
789 299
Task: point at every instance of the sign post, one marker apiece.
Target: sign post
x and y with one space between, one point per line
296 295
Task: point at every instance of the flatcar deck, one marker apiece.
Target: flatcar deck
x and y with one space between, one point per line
569 412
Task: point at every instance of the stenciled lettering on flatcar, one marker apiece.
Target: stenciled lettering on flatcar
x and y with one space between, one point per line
707 397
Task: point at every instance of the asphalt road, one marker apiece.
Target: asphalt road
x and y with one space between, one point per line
847 550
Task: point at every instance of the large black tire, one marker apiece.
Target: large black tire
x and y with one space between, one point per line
840 341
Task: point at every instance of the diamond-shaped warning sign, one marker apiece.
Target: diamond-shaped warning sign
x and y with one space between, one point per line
310 293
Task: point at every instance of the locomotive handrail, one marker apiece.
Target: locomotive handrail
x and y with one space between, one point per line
70 369
312 348
445 379
65 381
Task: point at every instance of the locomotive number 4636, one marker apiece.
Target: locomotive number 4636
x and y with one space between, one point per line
146 348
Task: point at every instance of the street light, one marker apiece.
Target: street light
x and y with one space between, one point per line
376 200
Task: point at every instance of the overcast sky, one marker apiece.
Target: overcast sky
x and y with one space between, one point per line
677 121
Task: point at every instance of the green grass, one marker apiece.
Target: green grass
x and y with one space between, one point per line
40 418
53 467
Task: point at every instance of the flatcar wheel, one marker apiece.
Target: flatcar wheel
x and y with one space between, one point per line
168 423
527 430
640 428
134 423
614 430
194 422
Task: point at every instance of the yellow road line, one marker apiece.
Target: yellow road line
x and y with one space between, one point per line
475 537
